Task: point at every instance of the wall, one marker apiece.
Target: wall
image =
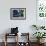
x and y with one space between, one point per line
24 25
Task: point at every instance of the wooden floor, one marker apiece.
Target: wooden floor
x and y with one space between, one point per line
13 44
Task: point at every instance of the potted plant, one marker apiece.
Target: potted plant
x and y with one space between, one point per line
39 35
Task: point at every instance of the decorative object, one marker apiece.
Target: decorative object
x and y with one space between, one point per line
18 13
14 30
23 44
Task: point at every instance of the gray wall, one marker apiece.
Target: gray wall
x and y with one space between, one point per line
24 25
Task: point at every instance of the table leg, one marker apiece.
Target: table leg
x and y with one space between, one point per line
5 40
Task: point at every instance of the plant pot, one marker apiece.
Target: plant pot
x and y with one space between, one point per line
40 41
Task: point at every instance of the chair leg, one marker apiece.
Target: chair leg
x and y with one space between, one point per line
5 40
5 43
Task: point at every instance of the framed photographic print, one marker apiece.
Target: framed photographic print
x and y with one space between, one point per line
41 8
41 12
18 13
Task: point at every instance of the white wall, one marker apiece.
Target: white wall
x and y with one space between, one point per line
24 25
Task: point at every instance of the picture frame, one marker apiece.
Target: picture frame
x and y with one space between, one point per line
41 9
40 12
17 13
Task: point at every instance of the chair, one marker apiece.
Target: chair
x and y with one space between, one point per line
14 32
24 36
7 35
